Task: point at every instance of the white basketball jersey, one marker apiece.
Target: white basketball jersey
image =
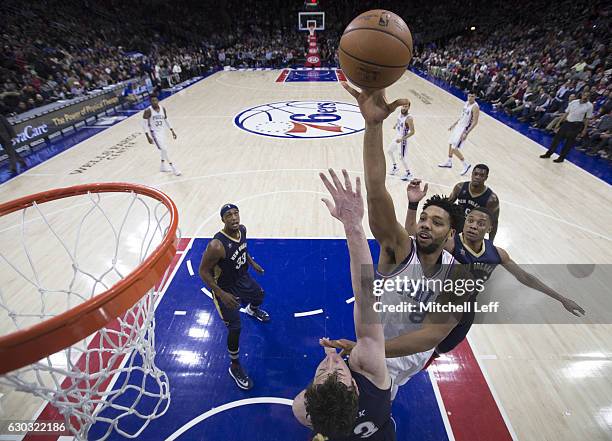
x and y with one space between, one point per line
401 124
419 290
156 122
466 114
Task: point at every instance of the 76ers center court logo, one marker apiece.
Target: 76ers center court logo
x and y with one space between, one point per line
302 119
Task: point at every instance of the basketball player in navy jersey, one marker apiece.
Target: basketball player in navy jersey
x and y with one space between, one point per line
410 338
351 402
472 249
474 193
224 268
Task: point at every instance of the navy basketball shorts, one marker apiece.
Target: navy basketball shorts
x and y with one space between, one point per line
246 290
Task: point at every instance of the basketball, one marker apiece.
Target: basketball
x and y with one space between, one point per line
375 49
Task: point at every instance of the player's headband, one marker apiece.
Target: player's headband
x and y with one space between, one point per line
226 208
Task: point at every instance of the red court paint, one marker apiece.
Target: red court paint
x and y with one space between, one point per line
470 405
283 76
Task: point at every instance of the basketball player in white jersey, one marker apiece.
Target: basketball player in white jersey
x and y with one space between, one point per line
404 128
155 121
460 131
410 338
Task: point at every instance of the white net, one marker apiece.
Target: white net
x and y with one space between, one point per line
58 255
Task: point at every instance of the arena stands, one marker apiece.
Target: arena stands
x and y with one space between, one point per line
534 64
526 57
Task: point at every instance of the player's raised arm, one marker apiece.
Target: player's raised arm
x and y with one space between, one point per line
381 213
415 194
347 206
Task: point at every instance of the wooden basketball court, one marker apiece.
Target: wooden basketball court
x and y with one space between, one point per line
551 382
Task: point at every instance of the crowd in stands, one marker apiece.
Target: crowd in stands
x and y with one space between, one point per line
54 50
534 65
528 58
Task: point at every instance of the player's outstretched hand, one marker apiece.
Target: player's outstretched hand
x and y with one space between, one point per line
373 103
573 307
173 134
348 204
345 345
415 192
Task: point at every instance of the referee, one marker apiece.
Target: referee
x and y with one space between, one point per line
574 121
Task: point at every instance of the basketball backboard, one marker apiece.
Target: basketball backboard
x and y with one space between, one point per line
306 18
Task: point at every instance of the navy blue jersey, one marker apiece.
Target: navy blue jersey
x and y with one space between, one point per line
481 264
234 265
467 201
374 421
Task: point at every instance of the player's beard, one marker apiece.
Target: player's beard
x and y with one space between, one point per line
433 247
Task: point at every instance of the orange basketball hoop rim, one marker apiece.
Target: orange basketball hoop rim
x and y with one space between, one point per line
26 346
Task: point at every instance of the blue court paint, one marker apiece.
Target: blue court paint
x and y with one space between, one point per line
596 166
280 356
296 76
